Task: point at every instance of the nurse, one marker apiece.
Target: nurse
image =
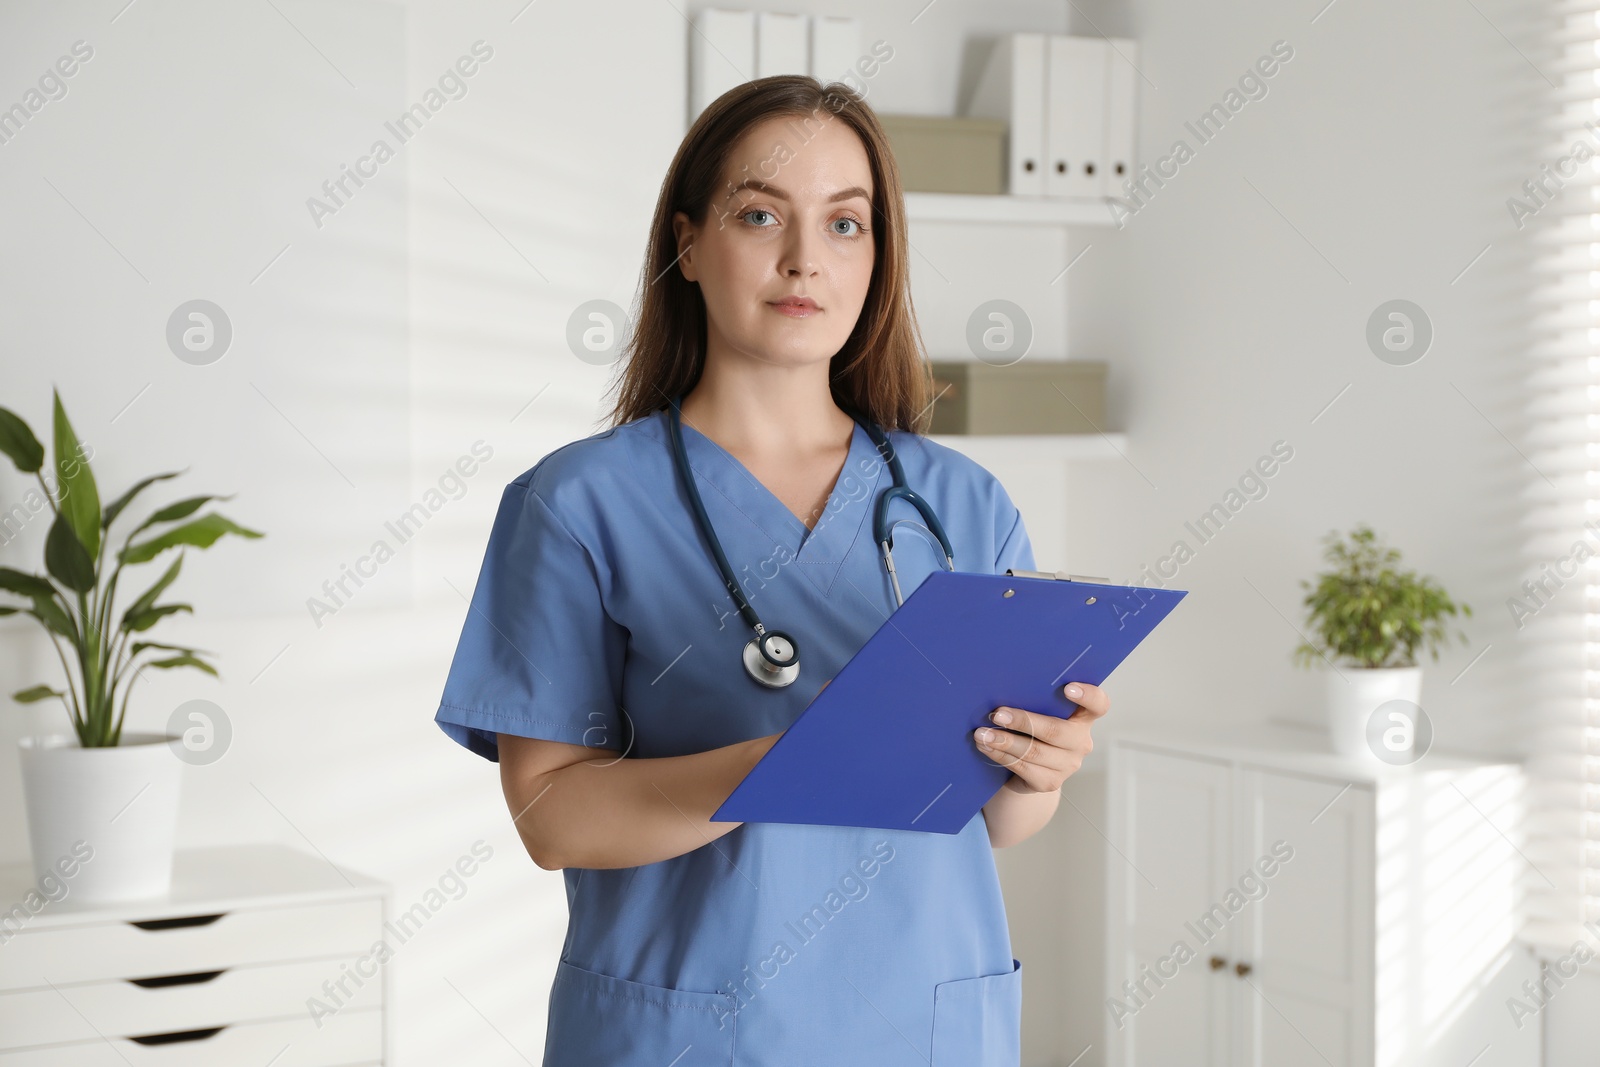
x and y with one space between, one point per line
601 662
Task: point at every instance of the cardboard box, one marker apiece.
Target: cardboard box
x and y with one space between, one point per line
1034 396
948 155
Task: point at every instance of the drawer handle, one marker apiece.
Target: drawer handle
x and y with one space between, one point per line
162 981
178 923
178 1035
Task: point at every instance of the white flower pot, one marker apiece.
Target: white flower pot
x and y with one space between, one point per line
119 805
1354 693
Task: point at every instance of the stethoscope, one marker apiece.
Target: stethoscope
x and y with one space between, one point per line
771 657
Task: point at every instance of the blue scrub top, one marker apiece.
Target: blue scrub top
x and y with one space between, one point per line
599 618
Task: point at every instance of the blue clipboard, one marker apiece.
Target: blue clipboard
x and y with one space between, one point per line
960 646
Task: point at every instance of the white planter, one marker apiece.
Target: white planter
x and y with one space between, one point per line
1354 693
119 802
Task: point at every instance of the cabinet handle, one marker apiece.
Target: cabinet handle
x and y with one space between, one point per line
178 923
178 1035
1217 963
162 981
1241 969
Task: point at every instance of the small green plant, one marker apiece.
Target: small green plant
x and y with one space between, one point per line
1370 613
75 599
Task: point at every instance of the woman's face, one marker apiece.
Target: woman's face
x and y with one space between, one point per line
789 220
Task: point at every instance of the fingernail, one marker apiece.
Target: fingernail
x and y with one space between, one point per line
986 736
1001 717
1074 692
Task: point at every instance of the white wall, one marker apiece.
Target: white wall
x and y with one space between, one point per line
427 314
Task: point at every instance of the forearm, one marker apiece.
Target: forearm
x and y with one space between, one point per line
612 812
1014 817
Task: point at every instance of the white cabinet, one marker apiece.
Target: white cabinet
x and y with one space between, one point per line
259 954
1271 905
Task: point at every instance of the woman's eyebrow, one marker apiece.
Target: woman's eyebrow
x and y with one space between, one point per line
760 186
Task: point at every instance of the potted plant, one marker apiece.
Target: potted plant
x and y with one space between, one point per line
107 798
1371 617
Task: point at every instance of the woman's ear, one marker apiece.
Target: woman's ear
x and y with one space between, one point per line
683 236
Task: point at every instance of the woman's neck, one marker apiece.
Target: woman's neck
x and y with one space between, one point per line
764 410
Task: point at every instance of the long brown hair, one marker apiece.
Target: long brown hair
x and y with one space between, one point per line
880 372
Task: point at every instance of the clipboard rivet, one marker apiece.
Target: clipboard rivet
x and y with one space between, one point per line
1008 592
1090 600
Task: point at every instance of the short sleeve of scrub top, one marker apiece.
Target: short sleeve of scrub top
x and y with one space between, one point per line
599 618
538 655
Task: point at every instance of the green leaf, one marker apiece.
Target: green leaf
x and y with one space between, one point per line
28 585
180 510
125 499
9 611
36 694
66 558
78 498
143 604
47 611
151 616
140 646
18 442
184 661
201 533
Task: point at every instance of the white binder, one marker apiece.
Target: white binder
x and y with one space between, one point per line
783 44
722 55
1122 111
835 49
1012 88
1075 117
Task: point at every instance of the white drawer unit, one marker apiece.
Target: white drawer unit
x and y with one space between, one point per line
260 954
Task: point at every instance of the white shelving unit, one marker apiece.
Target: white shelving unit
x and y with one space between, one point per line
1021 210
219 971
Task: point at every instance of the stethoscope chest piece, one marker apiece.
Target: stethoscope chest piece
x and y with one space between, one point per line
772 659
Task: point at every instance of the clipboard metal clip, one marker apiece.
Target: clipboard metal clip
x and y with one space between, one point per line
1060 576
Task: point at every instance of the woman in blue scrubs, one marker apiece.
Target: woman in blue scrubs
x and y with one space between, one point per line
601 660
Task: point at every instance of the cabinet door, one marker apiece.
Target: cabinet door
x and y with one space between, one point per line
1305 931
1171 852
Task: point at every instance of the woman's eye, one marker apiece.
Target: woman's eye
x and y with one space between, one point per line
848 221
757 211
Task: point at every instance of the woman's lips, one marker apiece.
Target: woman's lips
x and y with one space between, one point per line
798 309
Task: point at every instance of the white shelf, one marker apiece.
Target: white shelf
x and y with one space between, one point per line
1036 445
1024 210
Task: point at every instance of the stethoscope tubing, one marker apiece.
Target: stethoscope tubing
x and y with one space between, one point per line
781 674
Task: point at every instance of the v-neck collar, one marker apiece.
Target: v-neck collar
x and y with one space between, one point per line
821 549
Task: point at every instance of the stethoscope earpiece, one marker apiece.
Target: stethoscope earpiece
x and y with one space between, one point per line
772 657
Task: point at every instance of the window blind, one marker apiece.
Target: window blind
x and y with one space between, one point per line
1562 536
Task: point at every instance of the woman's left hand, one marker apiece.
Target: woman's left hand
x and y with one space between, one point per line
1043 751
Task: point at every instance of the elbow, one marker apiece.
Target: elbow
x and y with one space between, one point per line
544 852
545 858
